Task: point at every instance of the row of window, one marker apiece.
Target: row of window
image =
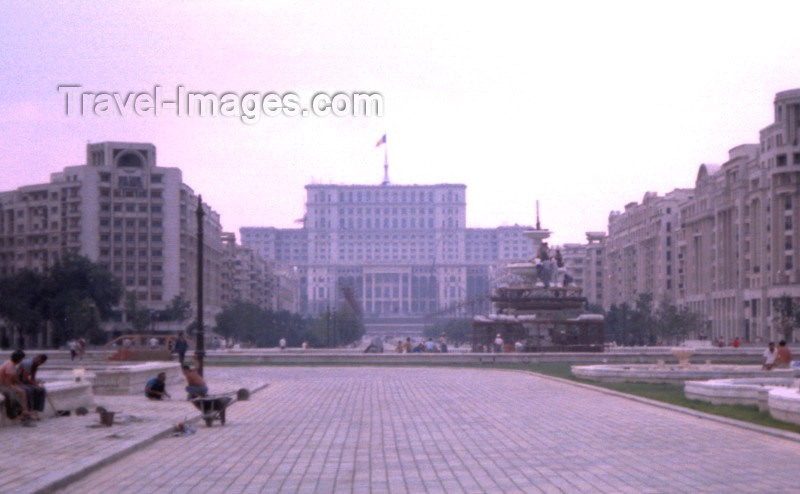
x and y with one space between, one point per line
386 196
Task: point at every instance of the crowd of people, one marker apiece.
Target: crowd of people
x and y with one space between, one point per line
423 346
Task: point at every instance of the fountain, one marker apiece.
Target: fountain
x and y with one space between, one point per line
683 353
536 309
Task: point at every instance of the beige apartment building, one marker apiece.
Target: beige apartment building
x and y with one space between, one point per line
593 268
123 211
248 277
725 248
640 250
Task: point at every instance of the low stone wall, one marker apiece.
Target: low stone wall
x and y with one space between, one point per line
753 391
784 404
779 396
66 395
640 355
131 379
672 373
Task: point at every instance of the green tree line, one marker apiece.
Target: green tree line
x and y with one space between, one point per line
251 325
72 297
645 323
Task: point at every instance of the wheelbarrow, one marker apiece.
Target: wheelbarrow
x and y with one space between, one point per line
213 407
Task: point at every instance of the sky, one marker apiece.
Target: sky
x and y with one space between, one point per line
583 106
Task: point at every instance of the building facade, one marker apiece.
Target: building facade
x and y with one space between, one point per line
123 211
640 250
402 253
727 247
594 268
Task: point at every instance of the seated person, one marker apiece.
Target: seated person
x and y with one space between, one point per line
783 360
32 387
9 382
155 389
195 384
770 354
430 346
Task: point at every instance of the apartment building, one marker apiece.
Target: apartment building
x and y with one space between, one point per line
123 211
727 247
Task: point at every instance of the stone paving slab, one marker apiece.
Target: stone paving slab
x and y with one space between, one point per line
58 450
450 430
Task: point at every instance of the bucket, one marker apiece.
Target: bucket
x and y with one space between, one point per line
107 418
78 374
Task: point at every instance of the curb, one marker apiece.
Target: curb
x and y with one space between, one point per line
94 464
790 436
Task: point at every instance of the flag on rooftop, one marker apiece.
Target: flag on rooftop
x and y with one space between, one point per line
382 140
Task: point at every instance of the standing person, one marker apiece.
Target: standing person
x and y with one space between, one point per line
498 344
73 349
81 348
736 342
32 387
783 359
195 384
156 388
282 343
769 356
181 345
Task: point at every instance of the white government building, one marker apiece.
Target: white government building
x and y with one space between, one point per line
402 253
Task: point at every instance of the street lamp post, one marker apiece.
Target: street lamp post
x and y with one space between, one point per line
328 325
200 347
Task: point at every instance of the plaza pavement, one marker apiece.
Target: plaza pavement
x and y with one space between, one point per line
379 429
47 456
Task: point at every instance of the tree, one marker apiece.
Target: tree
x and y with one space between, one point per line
71 286
136 315
241 321
786 315
643 320
620 324
458 331
22 302
178 309
674 323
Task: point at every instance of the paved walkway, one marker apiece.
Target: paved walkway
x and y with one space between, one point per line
449 430
57 449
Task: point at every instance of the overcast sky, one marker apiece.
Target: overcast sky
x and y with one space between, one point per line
584 106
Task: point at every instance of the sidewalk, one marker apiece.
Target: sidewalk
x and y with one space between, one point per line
411 430
60 450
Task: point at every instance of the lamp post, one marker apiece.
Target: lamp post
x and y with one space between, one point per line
200 347
328 325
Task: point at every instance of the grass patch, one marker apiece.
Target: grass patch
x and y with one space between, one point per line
672 394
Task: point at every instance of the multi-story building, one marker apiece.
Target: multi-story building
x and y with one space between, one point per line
402 251
123 211
593 268
725 249
640 250
574 258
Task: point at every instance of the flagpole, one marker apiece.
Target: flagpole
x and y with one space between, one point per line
385 160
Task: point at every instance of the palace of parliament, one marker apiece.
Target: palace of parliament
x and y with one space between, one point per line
403 252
